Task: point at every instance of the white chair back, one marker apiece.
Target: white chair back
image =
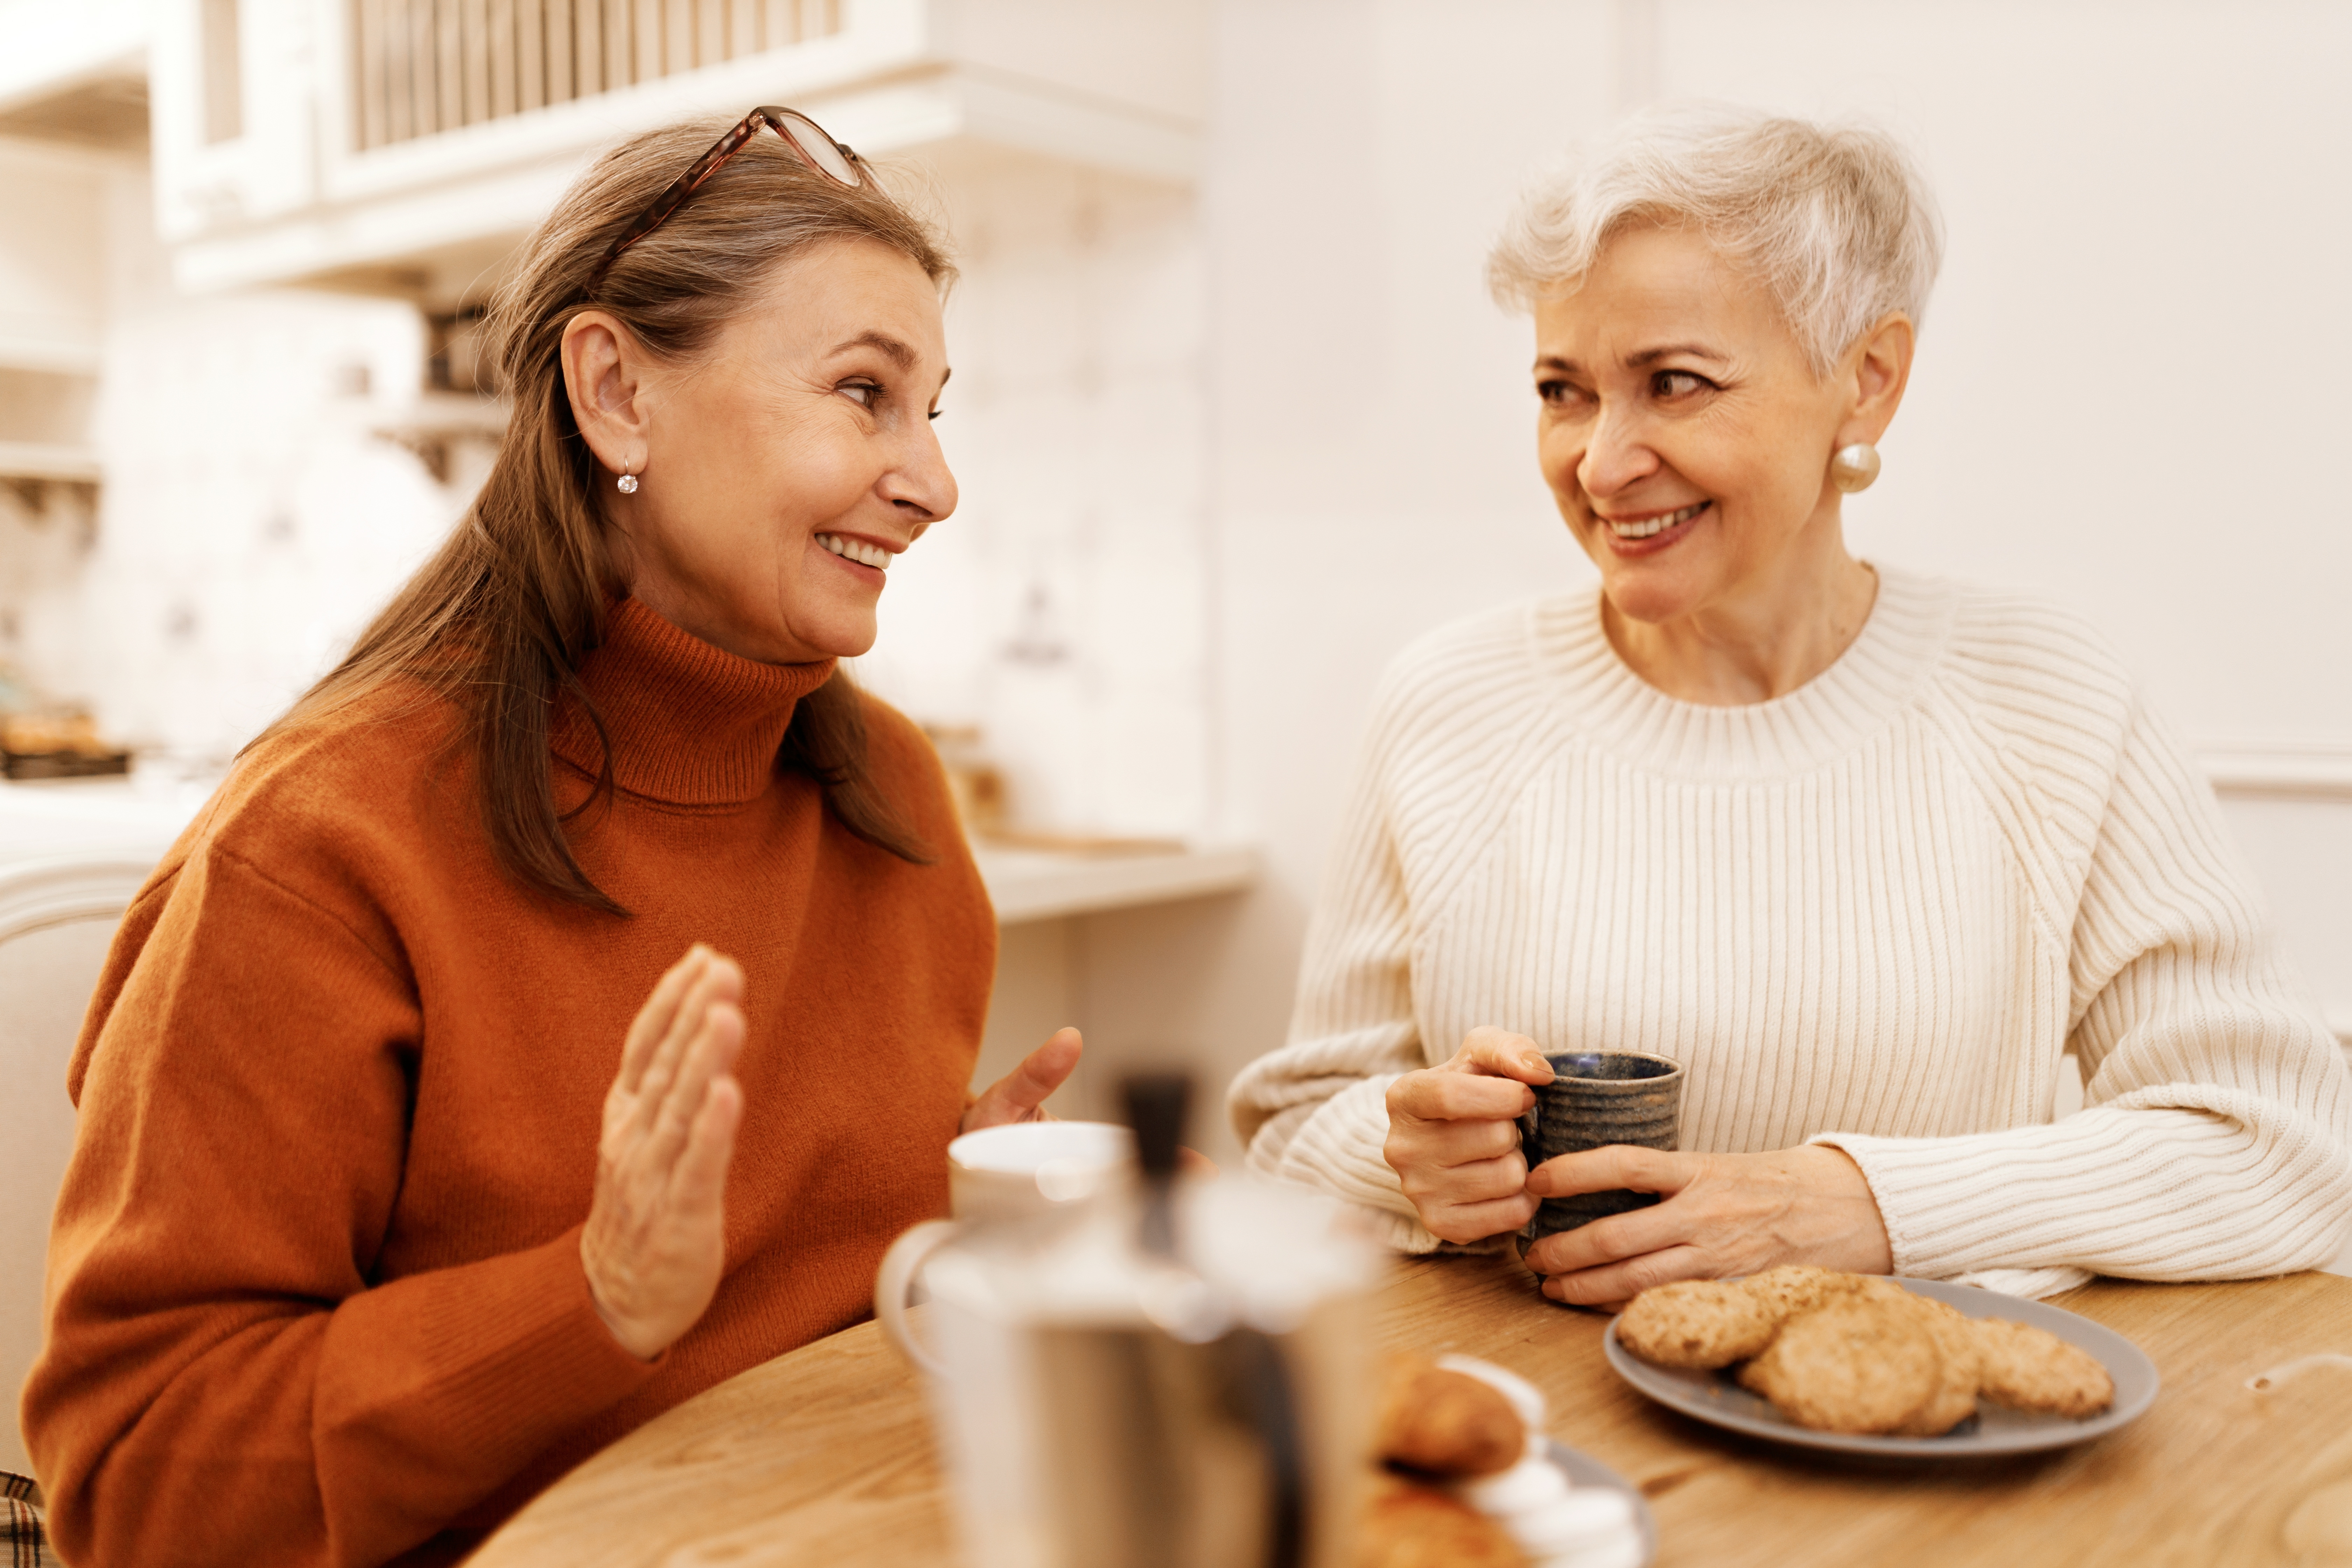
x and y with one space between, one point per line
56 916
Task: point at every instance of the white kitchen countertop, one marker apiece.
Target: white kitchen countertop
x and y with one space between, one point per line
104 815
142 816
1037 885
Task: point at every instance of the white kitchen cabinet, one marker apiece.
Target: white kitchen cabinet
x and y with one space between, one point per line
52 309
406 144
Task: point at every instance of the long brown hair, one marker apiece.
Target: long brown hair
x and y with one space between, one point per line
501 617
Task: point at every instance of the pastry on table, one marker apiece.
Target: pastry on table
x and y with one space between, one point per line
1410 1526
1442 1423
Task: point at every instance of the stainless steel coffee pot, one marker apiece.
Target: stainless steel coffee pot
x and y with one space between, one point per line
1176 1373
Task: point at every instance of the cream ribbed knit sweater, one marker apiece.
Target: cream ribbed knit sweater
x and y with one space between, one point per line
1872 914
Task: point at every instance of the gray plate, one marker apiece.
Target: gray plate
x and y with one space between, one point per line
1584 1470
1712 1397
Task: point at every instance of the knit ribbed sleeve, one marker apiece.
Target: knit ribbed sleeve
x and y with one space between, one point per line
1875 913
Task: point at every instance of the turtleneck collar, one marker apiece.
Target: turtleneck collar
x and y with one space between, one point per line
690 724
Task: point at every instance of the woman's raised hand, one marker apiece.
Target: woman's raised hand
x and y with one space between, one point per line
655 1242
1020 1095
1454 1140
1724 1215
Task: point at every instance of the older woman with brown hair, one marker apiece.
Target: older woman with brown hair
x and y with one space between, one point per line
1868 853
415 1163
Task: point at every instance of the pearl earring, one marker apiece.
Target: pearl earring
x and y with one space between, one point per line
626 484
1855 467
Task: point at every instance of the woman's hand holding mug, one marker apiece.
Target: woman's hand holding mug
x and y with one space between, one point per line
1455 1143
1454 1136
654 1244
1724 1216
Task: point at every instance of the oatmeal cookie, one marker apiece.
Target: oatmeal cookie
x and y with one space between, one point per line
1703 1323
1863 1365
1795 1289
1954 1399
2033 1370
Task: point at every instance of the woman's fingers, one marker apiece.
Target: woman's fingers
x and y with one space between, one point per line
1467 1201
1478 1182
1614 1168
711 1055
627 1109
698 1185
1452 1144
1499 1052
696 1005
1617 1237
652 1024
1610 1169
1486 1079
1436 1094
1475 1222
661 1066
719 981
1441 1162
1614 1284
1021 1094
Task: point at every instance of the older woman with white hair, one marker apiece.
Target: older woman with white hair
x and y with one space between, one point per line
1869 853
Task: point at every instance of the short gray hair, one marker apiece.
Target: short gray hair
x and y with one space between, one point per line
1835 220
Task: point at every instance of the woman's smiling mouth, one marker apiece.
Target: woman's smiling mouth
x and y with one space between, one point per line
1635 529
856 550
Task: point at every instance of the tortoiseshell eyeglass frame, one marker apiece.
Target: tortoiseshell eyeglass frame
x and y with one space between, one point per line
797 131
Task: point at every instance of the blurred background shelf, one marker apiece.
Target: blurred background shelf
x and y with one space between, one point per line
49 460
1036 885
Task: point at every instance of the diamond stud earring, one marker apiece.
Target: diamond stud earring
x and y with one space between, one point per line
1855 467
626 484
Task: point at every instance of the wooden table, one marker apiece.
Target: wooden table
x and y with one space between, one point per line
824 1457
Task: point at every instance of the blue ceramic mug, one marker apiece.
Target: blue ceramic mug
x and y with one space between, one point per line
1596 1099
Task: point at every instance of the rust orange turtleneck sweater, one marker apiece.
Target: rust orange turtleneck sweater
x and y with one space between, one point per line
315 1290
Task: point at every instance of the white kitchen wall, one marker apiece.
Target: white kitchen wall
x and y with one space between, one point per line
52 299
1061 609
250 524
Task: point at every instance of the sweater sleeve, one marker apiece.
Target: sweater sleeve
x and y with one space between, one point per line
223 1380
2216 1138
1316 1111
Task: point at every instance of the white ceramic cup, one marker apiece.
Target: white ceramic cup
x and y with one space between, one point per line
1024 1170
